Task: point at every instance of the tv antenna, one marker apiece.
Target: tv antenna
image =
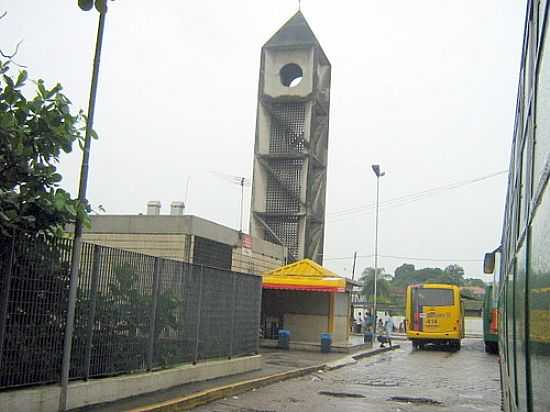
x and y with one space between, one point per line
236 180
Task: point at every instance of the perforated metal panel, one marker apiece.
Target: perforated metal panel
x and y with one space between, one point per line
286 229
283 191
287 128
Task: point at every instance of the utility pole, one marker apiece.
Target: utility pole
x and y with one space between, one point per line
243 181
353 270
379 174
101 6
354 296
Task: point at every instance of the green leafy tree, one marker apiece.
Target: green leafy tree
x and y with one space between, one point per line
406 275
406 269
124 313
382 285
34 133
455 269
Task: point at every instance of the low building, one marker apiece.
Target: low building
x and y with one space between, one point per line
474 291
187 238
306 299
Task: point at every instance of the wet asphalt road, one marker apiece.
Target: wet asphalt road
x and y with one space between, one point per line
403 380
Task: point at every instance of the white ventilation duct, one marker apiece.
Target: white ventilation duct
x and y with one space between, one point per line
177 208
153 208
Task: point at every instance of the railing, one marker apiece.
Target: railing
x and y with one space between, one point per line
134 312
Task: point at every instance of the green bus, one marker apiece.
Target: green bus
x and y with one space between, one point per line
490 329
523 280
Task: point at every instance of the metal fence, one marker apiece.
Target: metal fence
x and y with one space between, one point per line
134 312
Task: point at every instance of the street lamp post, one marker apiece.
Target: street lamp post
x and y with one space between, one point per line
101 7
379 174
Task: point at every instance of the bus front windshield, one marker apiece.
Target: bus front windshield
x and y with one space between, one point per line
433 297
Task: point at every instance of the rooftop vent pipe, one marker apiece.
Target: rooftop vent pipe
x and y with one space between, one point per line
177 208
153 208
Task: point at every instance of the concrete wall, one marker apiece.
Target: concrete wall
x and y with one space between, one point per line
169 246
263 256
305 328
306 314
172 237
254 262
342 313
275 59
163 224
81 394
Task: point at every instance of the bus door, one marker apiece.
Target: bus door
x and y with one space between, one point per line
433 310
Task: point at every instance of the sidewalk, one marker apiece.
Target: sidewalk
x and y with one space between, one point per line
354 344
277 364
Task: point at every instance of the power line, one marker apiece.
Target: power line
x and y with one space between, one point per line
418 195
429 259
411 198
347 257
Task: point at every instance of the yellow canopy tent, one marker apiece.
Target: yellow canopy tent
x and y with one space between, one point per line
304 275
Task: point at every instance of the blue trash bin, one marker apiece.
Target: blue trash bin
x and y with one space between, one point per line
326 342
284 339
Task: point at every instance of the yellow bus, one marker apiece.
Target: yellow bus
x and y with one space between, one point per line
434 314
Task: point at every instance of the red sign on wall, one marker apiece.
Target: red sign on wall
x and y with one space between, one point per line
247 241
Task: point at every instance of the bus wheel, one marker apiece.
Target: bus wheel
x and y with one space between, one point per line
491 347
416 345
456 345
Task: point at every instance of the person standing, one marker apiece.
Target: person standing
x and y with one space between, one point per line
369 320
366 328
388 329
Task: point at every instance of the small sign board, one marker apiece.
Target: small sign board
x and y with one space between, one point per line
247 241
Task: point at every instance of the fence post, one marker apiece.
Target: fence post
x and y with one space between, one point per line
5 298
93 305
198 328
155 292
232 332
259 314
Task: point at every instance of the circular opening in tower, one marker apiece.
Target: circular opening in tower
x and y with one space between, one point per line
291 75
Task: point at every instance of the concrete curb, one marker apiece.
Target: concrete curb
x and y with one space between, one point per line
200 398
373 352
209 395
351 360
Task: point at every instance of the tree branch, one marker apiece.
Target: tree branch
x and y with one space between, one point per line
11 56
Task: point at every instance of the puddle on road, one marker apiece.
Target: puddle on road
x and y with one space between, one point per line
373 362
256 410
378 383
341 394
416 401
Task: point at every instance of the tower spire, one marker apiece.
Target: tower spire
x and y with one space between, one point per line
288 193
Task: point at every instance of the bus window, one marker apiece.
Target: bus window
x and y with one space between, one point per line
433 297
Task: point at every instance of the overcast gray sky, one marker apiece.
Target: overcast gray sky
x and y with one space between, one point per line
425 88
